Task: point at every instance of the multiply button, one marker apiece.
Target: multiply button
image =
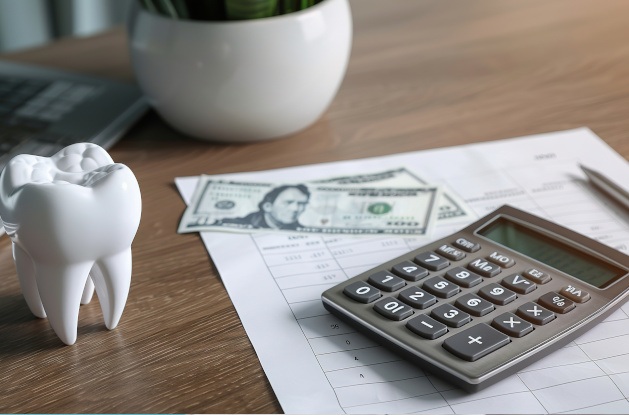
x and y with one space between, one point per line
475 342
556 302
512 325
535 313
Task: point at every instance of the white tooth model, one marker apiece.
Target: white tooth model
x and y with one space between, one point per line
71 216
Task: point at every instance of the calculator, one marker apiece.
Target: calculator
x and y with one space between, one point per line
483 303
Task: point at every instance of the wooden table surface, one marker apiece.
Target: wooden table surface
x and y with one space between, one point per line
423 74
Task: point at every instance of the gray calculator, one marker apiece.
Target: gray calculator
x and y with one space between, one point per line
485 302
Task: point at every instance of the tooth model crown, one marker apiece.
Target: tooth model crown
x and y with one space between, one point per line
70 217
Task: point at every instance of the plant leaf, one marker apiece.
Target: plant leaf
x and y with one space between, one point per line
249 9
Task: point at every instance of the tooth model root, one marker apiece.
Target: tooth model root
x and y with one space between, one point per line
72 218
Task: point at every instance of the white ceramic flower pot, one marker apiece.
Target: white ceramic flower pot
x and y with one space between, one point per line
244 80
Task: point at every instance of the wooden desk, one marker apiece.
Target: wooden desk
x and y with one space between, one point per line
423 74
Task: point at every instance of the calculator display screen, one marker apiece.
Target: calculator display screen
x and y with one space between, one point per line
552 252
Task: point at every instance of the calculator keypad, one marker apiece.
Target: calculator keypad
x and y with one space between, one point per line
420 295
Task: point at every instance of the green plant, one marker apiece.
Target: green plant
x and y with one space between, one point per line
225 9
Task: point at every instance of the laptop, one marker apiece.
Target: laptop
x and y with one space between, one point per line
43 110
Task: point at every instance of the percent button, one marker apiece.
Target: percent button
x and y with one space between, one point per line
555 302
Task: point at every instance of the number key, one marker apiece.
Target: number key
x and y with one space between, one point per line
431 261
440 287
393 309
417 298
409 271
474 305
386 281
362 292
497 294
463 277
450 315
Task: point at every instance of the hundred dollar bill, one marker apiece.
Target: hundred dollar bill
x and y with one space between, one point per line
450 206
243 206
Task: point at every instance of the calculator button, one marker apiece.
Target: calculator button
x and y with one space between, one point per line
497 294
426 327
537 276
417 298
393 309
431 261
409 271
575 294
450 252
463 277
466 245
555 302
362 292
512 325
475 342
535 313
501 259
519 284
386 281
484 268
474 305
450 315
440 287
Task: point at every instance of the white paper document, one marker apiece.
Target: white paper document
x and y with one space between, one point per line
318 364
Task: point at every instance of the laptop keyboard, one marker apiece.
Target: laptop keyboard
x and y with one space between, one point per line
28 107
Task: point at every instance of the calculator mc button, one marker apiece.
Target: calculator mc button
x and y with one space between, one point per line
535 313
362 292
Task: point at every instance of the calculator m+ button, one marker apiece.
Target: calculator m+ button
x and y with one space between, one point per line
450 252
431 261
362 292
386 281
409 271
535 313
484 267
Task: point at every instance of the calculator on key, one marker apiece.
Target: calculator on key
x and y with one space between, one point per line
483 303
